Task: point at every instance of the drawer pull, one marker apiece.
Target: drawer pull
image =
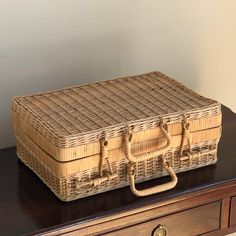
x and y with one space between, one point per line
160 230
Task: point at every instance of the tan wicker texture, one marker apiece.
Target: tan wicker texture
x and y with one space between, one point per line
97 137
64 169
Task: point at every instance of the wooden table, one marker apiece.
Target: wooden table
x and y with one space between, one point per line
204 201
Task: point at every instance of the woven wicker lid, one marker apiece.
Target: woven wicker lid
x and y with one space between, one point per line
91 108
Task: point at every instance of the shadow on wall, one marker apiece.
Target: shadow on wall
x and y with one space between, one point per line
48 67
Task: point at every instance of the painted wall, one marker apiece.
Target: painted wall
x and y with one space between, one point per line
46 45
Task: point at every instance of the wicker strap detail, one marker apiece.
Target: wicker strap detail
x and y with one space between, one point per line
190 156
145 156
186 135
103 175
155 189
104 153
95 182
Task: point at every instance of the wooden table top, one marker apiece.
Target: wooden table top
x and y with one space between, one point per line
27 206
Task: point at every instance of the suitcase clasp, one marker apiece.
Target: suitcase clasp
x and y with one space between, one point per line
103 176
186 135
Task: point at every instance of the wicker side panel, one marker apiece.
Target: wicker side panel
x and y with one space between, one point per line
65 188
63 169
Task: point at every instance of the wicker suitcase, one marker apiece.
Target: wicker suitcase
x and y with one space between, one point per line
98 137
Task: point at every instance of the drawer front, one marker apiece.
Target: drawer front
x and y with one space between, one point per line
195 221
233 211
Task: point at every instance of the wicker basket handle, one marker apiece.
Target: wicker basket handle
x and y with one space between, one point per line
145 156
155 189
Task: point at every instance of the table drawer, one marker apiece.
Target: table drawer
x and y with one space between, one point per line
195 221
233 211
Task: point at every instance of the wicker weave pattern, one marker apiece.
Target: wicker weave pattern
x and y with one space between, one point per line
78 115
65 188
64 169
78 139
142 132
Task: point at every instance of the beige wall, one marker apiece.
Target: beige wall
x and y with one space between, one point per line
49 44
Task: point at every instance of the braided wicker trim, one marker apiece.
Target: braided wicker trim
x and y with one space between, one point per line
79 165
68 154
